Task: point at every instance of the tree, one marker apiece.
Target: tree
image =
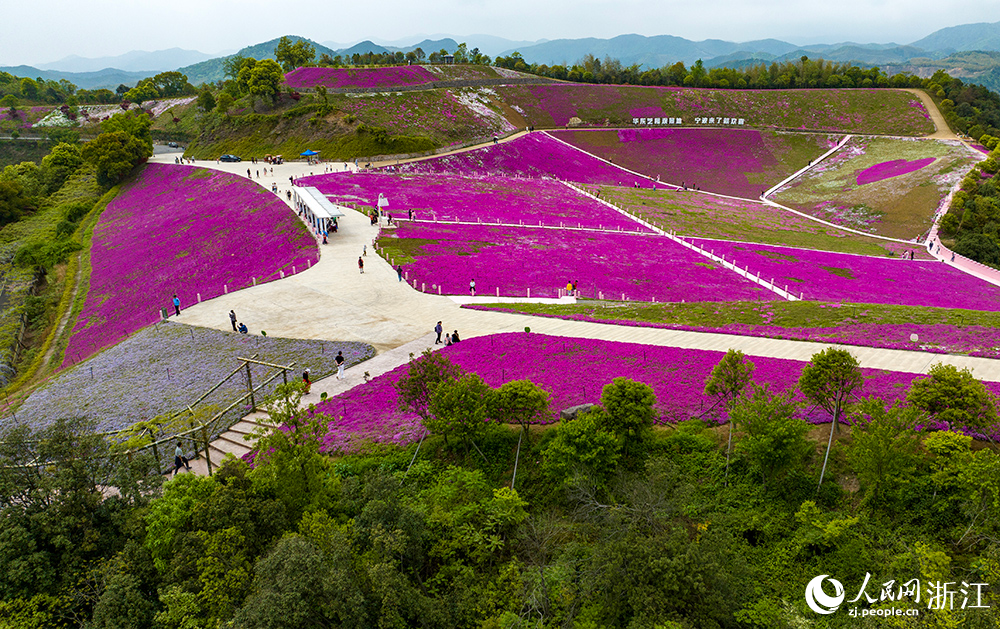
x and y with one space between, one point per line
10 102
61 162
582 445
135 123
115 155
885 444
265 80
144 91
829 380
224 103
292 56
172 84
955 398
29 89
458 408
628 413
521 402
775 438
729 378
206 100
13 202
978 247
424 375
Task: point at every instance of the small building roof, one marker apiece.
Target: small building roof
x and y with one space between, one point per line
317 202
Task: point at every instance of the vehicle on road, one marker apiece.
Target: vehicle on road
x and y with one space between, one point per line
230 158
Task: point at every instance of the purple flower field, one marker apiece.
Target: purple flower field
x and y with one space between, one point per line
574 371
535 155
895 168
183 230
486 199
735 162
515 259
303 78
839 277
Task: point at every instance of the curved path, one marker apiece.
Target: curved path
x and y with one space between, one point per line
943 131
332 300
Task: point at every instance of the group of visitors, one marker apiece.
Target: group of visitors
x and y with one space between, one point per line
449 339
571 288
237 326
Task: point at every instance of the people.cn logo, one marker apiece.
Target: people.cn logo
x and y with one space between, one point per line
817 599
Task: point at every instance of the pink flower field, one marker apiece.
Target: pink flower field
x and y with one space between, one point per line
534 155
305 78
515 259
841 277
183 230
735 162
574 371
894 168
465 199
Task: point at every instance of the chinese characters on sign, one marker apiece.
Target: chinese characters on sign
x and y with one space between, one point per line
937 595
700 120
657 121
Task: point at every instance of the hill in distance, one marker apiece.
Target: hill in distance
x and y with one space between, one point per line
134 61
109 78
211 70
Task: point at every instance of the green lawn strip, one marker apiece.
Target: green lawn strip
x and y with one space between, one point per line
798 314
698 215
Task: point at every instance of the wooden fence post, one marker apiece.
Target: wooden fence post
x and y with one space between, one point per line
208 457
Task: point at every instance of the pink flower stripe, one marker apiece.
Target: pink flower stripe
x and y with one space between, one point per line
933 338
840 277
735 162
575 371
515 259
302 78
894 168
486 199
183 230
534 155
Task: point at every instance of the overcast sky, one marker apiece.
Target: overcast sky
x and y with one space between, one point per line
36 32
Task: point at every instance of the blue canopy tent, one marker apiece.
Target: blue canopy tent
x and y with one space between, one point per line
309 153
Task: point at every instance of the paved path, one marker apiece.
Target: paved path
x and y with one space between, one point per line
942 130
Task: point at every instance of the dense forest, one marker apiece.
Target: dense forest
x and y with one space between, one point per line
605 520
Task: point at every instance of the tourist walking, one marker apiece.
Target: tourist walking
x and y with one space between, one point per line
177 305
232 319
439 329
361 264
340 365
306 380
472 288
179 459
399 272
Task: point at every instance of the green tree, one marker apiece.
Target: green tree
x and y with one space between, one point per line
172 84
206 100
422 377
13 202
629 414
728 380
884 446
955 397
459 409
582 446
61 162
114 155
775 438
978 247
29 89
292 56
829 380
143 91
288 463
224 103
10 102
265 80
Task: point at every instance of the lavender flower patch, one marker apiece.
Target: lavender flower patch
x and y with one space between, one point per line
875 185
518 259
535 155
895 168
167 367
183 230
735 162
483 199
838 277
574 371
880 111
304 78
